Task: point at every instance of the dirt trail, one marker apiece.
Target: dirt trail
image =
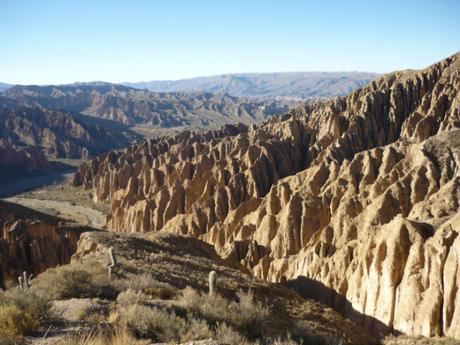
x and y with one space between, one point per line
64 209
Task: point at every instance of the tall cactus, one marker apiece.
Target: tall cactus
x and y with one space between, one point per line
113 262
212 283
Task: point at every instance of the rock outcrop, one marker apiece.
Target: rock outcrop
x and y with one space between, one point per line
30 158
59 134
31 241
353 201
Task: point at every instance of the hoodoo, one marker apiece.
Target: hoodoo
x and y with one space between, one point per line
353 201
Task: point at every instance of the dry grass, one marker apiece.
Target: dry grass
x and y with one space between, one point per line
247 316
148 285
119 337
130 297
134 314
21 313
76 281
406 340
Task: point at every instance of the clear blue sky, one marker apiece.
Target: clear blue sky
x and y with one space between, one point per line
65 41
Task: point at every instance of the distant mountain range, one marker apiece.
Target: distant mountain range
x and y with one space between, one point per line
287 84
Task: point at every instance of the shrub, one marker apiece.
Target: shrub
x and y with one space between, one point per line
160 292
7 338
137 282
34 303
22 312
15 321
196 330
148 285
247 316
76 282
228 335
152 323
130 297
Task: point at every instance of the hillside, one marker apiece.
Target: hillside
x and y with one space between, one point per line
352 201
132 107
159 272
287 84
59 134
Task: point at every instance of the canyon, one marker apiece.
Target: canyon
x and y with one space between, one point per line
32 242
57 133
131 106
352 201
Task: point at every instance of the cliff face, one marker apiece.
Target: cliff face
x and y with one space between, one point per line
30 158
32 242
58 133
352 201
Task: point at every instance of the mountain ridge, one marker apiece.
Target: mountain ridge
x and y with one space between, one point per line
132 106
281 84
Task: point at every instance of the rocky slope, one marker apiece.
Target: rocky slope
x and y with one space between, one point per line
286 84
30 158
58 134
352 201
31 241
140 107
184 262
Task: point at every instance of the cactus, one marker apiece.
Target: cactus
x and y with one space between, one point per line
113 262
26 280
212 283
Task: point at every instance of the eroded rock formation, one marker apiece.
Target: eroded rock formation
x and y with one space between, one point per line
153 109
29 158
32 242
353 201
59 134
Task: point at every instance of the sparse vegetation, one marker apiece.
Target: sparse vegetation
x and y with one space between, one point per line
22 312
77 282
119 337
148 285
405 340
248 316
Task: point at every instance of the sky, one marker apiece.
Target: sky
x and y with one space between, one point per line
55 42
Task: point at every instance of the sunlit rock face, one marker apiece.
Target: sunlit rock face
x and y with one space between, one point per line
353 201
